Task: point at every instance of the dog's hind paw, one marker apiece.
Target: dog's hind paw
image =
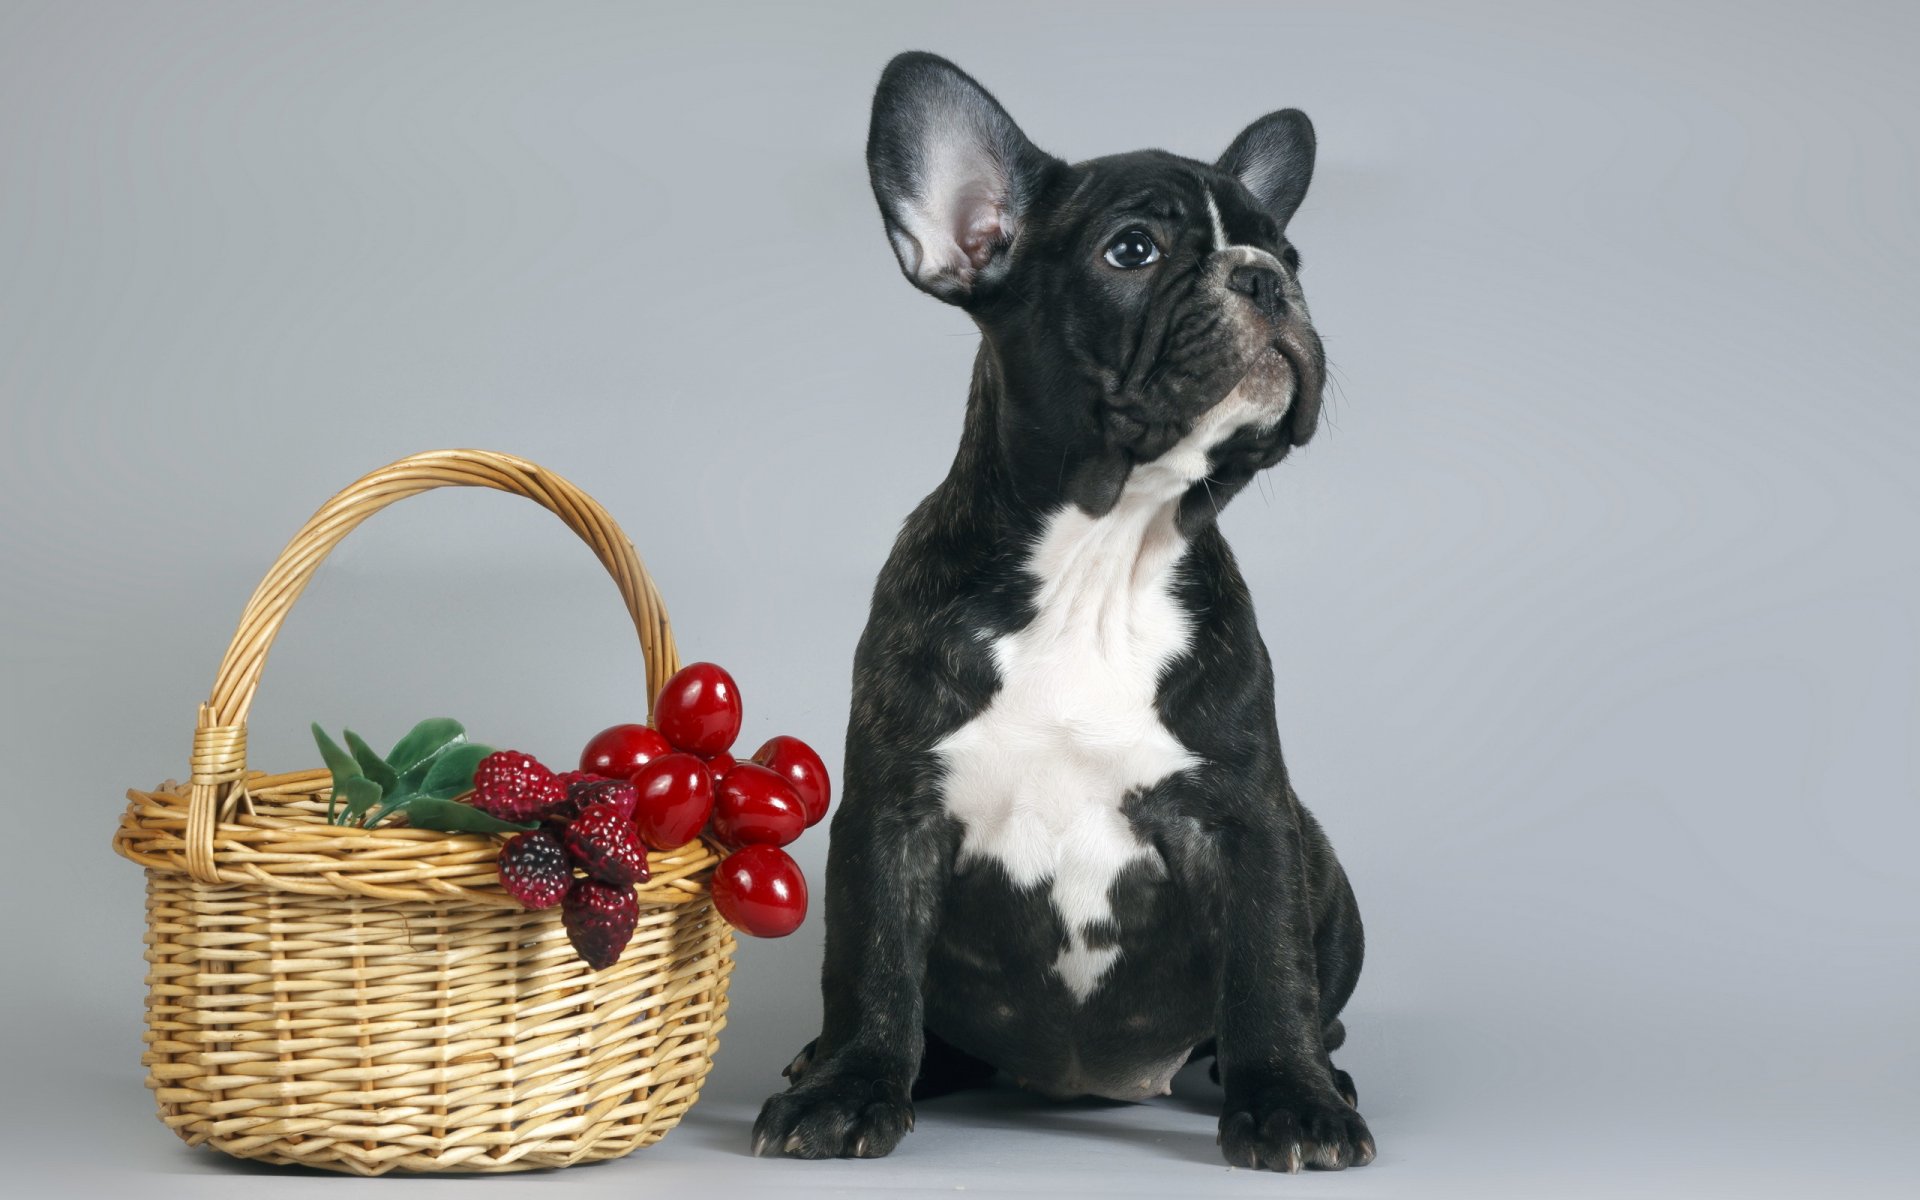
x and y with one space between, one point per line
834 1114
1277 1132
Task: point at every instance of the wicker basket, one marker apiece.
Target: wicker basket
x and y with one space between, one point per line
370 1000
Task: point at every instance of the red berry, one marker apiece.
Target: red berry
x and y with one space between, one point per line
600 919
515 787
755 806
720 763
575 782
760 891
794 761
699 709
675 800
601 842
534 869
618 752
584 795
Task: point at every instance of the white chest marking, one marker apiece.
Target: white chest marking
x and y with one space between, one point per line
1038 777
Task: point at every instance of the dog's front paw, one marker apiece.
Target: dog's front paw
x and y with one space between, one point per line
834 1114
801 1063
1281 1129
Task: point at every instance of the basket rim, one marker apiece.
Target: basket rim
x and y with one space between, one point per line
290 847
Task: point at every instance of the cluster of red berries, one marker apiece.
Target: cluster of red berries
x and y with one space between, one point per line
641 788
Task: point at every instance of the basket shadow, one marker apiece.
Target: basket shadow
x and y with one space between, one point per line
202 1161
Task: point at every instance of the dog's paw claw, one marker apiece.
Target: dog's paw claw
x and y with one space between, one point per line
1278 1132
1343 1083
835 1114
801 1061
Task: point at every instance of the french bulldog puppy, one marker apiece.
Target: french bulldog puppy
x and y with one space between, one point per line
1067 848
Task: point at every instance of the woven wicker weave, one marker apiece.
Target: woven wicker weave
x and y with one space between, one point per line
370 1000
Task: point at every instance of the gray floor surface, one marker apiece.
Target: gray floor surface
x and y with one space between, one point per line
1592 607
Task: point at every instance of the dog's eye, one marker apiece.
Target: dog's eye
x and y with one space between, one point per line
1132 249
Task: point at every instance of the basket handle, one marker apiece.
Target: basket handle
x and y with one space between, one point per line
219 762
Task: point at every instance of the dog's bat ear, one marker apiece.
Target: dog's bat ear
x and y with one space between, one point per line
1273 157
952 172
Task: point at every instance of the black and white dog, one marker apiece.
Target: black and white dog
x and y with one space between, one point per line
1067 848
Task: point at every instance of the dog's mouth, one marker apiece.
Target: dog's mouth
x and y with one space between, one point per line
1298 365
1272 376
1278 381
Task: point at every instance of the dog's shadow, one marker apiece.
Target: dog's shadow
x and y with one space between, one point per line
1181 1125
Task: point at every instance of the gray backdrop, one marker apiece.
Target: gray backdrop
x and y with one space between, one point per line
1593 607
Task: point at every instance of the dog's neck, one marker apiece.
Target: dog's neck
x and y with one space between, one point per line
993 483
1024 458
1013 469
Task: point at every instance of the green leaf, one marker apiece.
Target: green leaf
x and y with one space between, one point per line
425 740
451 816
361 794
371 765
338 761
414 779
387 807
452 770
416 775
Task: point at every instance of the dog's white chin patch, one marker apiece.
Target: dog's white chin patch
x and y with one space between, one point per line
1038 778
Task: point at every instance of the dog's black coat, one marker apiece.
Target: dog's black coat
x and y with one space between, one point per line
1238 934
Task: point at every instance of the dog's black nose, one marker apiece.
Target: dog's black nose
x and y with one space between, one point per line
1262 286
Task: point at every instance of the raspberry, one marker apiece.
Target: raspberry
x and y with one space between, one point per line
571 782
534 869
584 791
599 920
515 787
618 792
603 843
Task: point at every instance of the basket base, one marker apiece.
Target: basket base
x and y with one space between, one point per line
367 1036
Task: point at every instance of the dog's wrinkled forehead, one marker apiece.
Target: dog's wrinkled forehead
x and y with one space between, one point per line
1186 203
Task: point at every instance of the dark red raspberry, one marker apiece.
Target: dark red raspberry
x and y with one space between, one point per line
603 843
572 806
515 787
534 869
584 791
599 920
